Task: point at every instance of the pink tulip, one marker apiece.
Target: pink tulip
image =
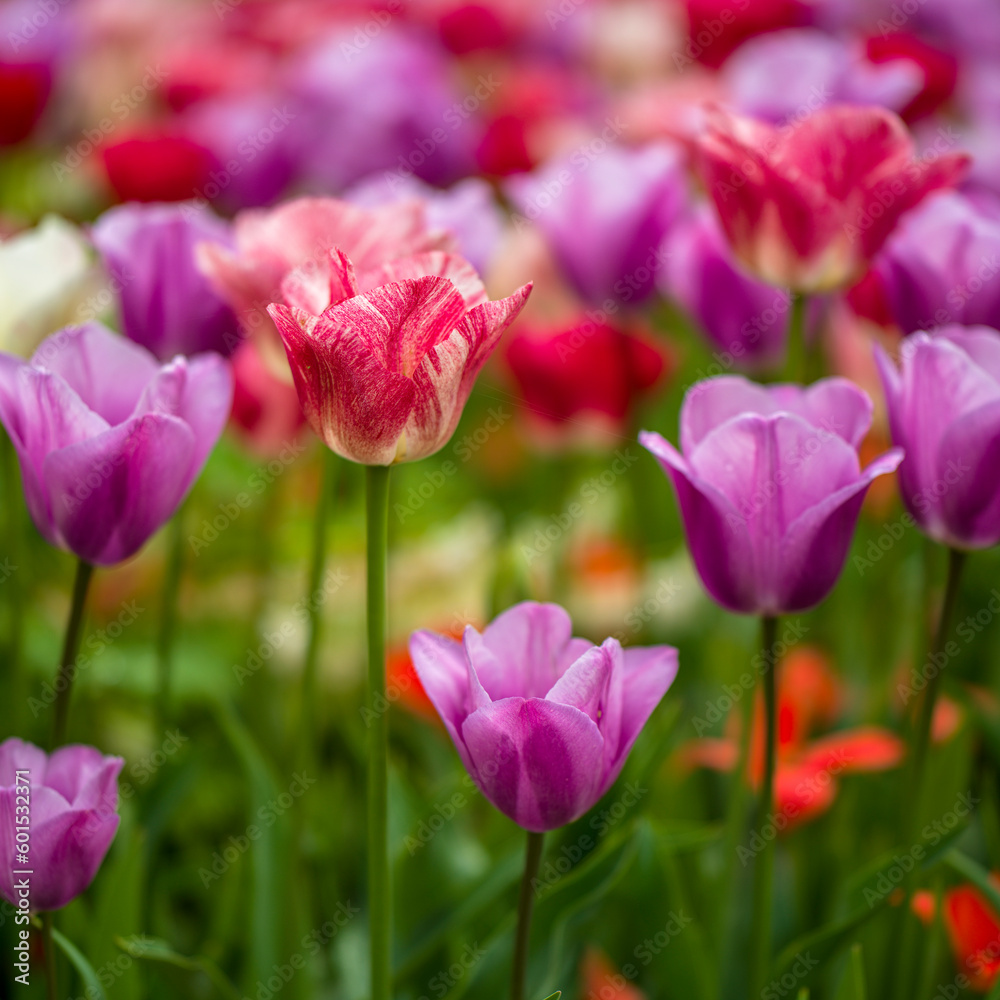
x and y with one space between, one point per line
806 206
384 360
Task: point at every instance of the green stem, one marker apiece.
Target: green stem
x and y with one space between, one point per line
378 735
905 928
67 662
532 859
763 881
795 362
925 715
317 564
51 989
13 524
168 616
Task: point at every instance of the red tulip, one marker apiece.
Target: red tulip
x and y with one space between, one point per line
807 206
940 69
590 368
24 92
156 168
807 769
383 374
973 930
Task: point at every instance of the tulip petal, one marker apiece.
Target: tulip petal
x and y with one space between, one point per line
107 372
433 264
86 778
17 755
967 466
815 545
41 413
352 401
585 684
832 404
527 642
117 488
318 284
716 532
647 674
537 761
73 844
865 748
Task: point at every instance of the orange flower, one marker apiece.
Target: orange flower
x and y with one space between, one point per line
403 684
809 697
600 980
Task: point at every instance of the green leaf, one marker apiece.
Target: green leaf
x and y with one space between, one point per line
859 989
82 966
266 850
155 950
974 872
554 996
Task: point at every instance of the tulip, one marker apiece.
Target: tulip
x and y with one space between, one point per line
770 487
156 166
807 207
778 74
806 785
746 319
109 442
167 305
383 374
605 217
944 410
73 798
297 237
589 369
543 722
43 275
941 265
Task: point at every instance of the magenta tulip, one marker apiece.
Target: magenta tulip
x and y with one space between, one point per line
807 206
72 799
543 721
944 409
166 303
108 440
770 487
383 374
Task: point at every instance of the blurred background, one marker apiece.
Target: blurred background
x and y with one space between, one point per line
554 138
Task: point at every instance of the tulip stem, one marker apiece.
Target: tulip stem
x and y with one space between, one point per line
532 859
795 363
379 903
763 879
168 615
904 929
67 662
51 987
317 564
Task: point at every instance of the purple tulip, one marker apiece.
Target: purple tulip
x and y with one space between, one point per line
746 319
770 487
605 215
167 305
72 797
109 442
542 721
783 75
944 409
942 265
